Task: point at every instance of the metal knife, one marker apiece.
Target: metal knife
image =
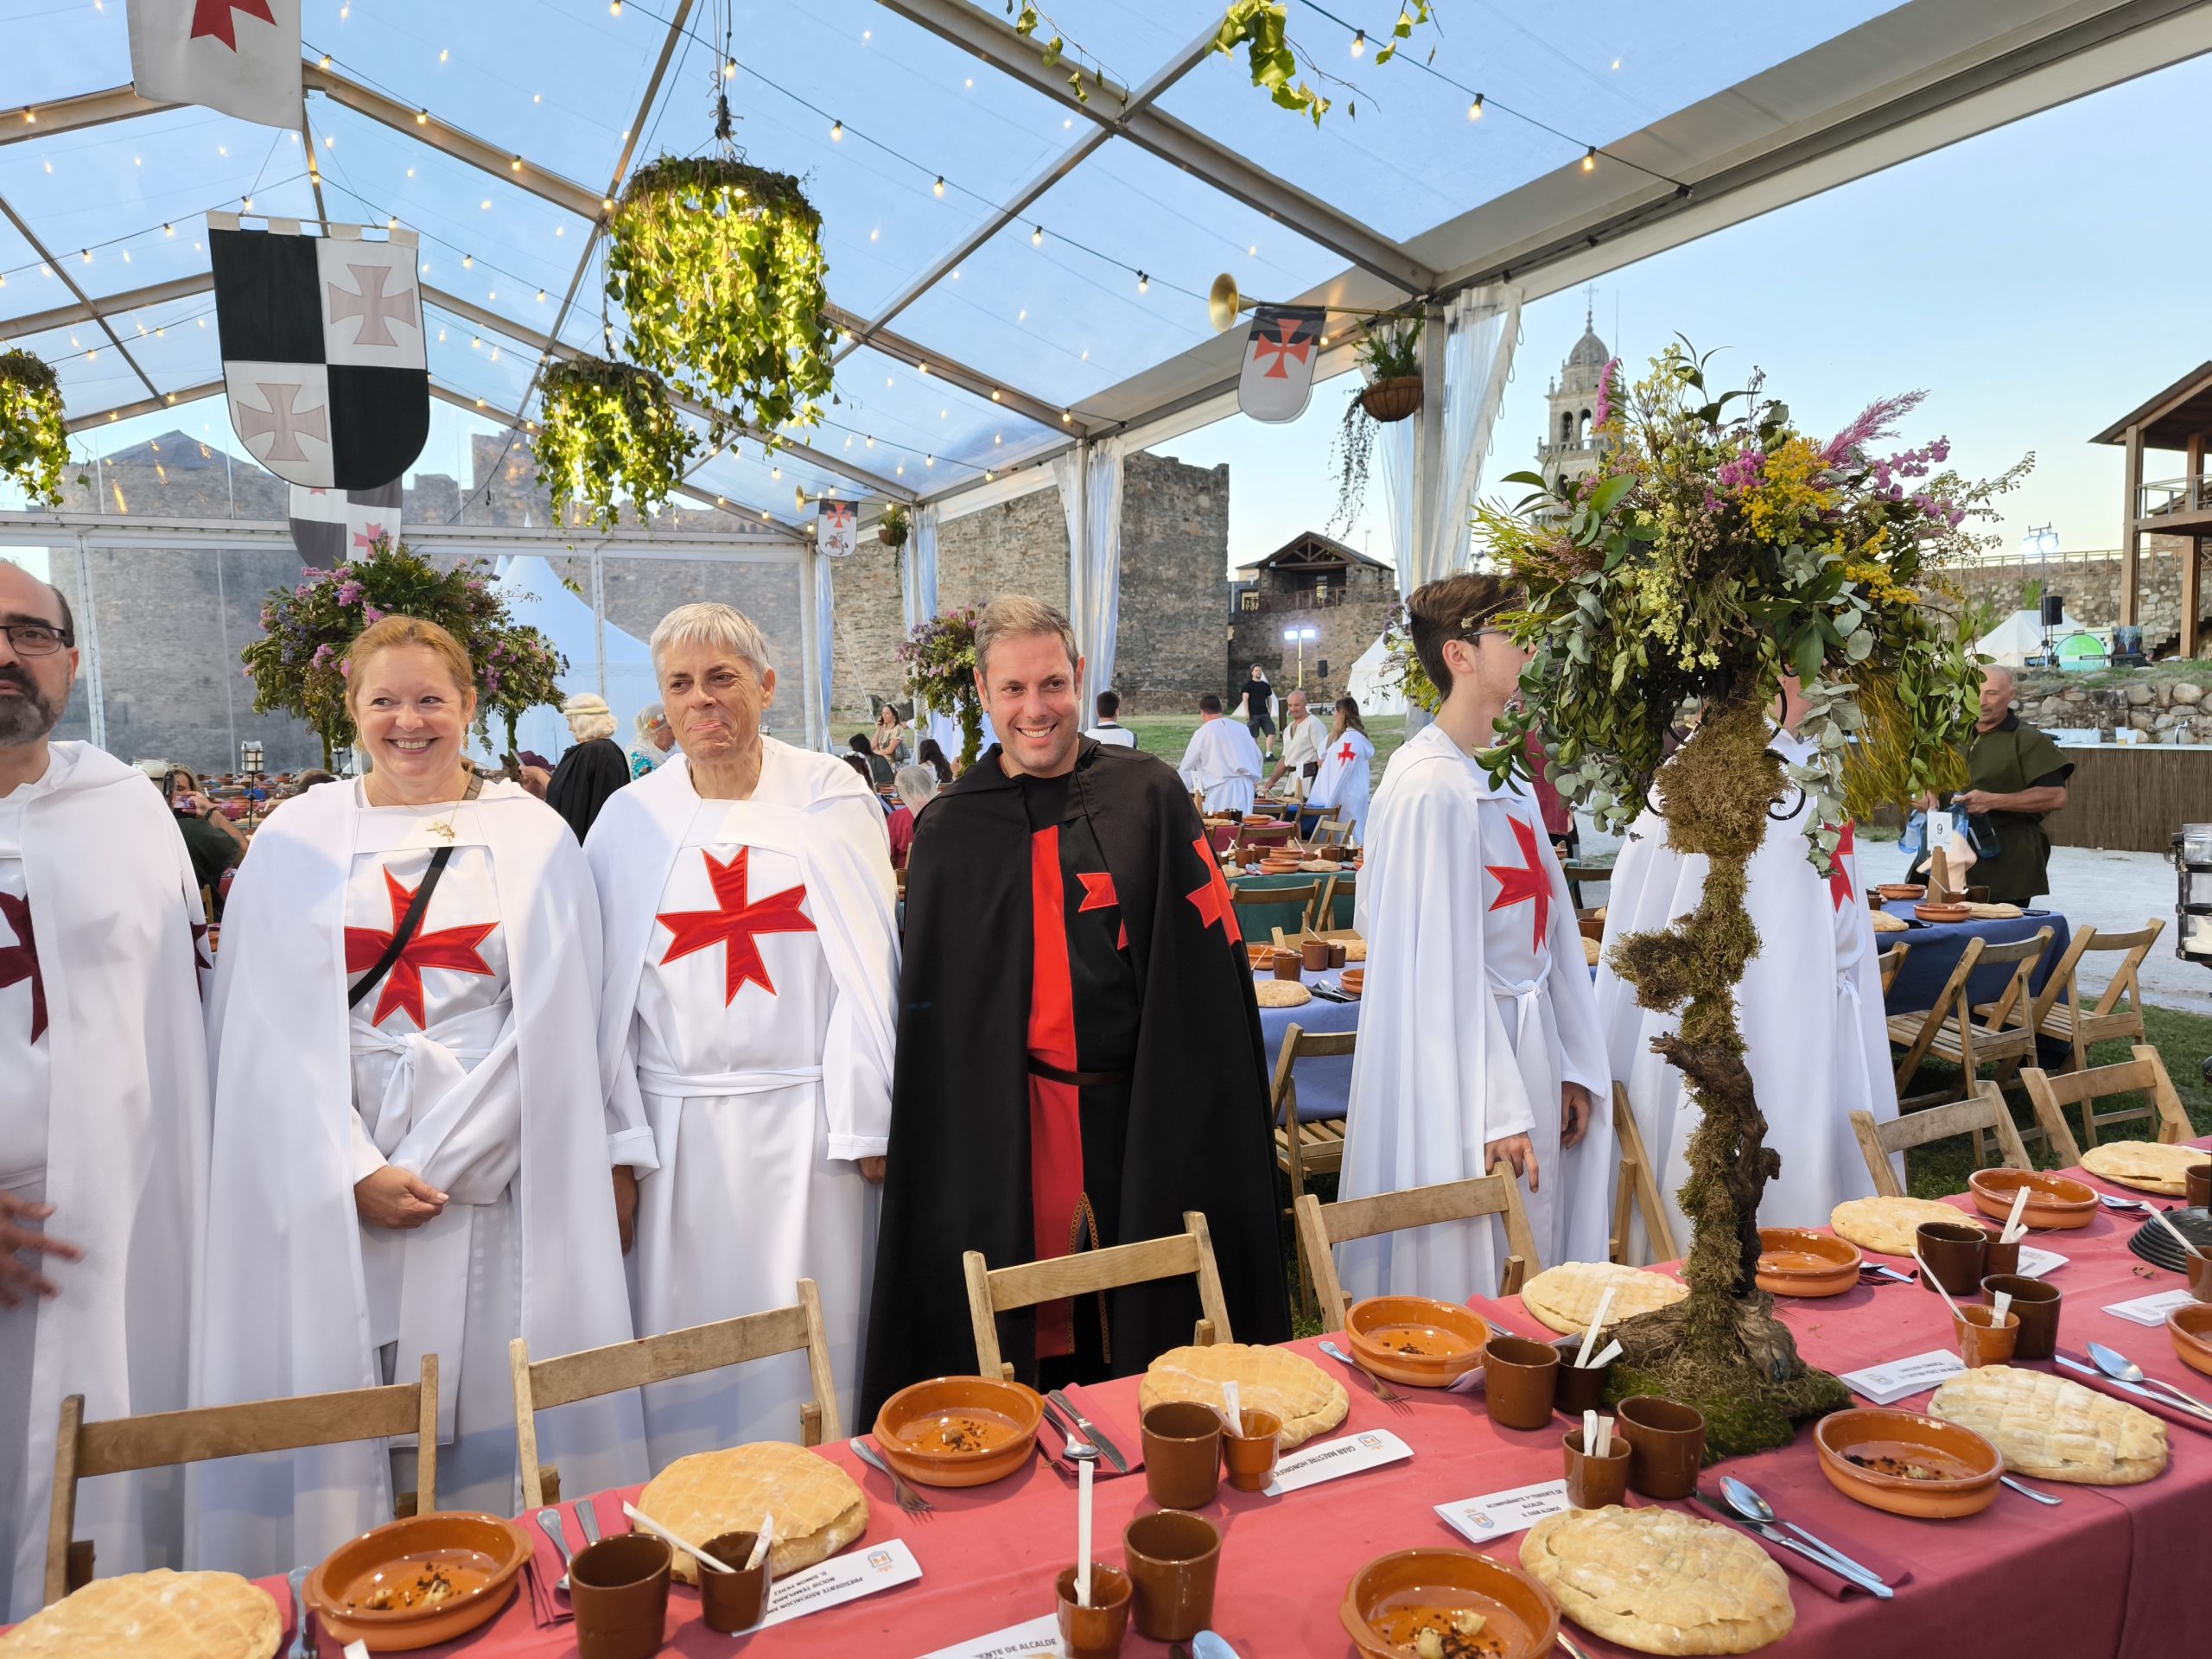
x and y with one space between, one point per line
1090 1430
2137 1389
1862 1578
588 1519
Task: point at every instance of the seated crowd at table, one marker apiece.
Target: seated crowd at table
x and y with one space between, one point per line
452 1079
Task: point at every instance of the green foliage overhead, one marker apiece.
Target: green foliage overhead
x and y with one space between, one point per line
607 429
718 265
33 437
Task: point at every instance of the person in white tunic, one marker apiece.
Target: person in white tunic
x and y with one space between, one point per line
1221 763
752 991
1809 1006
1339 791
1305 734
1478 1036
412 1149
103 1108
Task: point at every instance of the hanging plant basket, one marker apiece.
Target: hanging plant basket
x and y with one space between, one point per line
33 437
718 266
1394 399
608 430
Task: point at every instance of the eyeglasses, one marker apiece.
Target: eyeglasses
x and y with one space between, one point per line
35 638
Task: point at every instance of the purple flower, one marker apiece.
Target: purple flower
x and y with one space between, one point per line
346 667
369 614
323 654
349 593
1743 472
1605 411
1876 420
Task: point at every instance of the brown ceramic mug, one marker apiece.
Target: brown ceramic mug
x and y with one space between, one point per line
1289 965
1520 1381
1981 1340
619 1588
1338 956
1952 1253
1173 1561
2197 1186
2035 1305
1582 1388
733 1601
1250 1450
1999 1258
1316 955
1593 1482
1096 1631
1666 1444
1182 1454
2200 1277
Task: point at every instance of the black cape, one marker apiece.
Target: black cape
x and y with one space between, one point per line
1199 1136
586 777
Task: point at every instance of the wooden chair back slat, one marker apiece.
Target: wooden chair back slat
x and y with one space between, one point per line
1302 893
2145 1073
1983 1111
2136 946
1323 1225
1638 1186
1891 962
1952 995
1291 1151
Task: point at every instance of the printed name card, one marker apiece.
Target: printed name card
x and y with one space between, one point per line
2034 1264
841 1579
1349 1455
2152 1310
1887 1384
1035 1638
1496 1515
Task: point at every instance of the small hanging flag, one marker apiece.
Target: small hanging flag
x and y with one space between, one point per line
239 56
1280 353
331 526
836 528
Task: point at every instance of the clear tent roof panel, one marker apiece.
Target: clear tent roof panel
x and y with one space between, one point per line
465 358
56 48
92 373
175 342
744 478
924 415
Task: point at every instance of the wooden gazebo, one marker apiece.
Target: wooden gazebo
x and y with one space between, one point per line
2179 419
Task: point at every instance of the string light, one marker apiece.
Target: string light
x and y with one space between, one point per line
515 165
1036 236
729 68
1590 159
541 297
836 131
1475 108
442 54
421 117
614 7
1144 283
468 262
928 461
1360 43
326 60
938 189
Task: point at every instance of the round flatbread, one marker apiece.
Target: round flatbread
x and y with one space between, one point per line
2146 1165
2057 1429
1308 1400
1885 923
817 1508
1592 951
1887 1225
158 1615
1660 1581
1355 950
1281 993
1566 1297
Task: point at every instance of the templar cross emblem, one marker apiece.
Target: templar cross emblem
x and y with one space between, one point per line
372 305
282 420
1285 345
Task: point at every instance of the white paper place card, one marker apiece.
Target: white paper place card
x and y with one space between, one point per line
1036 1638
1496 1515
2034 1264
842 1579
2152 1310
1887 1384
1348 1455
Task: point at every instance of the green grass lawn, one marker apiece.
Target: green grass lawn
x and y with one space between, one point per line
1168 735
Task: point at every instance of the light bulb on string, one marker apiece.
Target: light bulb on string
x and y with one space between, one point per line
1475 108
836 131
468 262
729 68
1358 42
938 189
1144 283
614 7
1590 159
1036 236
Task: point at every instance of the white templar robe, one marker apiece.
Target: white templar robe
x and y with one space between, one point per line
104 1116
1224 764
1809 1008
757 1055
474 1063
1478 1009
1340 787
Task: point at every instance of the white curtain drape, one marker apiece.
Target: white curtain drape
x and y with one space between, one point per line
1429 536
825 613
918 584
1090 477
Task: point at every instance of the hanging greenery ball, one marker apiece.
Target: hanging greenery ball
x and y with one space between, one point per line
33 437
607 430
718 266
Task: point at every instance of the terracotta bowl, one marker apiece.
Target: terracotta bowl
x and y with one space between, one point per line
1592 927
2054 1201
958 1431
1393 1595
2191 1328
1797 1262
1414 1340
1941 913
1352 981
1893 891
1262 955
479 1555
1966 1466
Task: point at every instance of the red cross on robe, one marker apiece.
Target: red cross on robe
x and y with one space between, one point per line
736 923
1213 900
1524 882
212 18
1098 895
452 947
19 961
1839 877
1344 753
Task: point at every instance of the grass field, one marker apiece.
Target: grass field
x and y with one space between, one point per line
1168 735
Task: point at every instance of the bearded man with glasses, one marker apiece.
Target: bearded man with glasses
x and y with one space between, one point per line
103 1116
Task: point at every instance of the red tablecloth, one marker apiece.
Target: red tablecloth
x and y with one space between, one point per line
2112 1571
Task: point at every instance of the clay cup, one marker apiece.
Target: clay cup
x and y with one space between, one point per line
734 1601
619 1588
1666 1443
1174 1559
1096 1631
1251 1449
1953 1251
1520 1381
1593 1482
2035 1305
1182 1454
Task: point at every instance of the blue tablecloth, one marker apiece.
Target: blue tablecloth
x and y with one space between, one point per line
1937 947
1324 1085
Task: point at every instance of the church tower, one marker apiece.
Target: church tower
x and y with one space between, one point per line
1571 447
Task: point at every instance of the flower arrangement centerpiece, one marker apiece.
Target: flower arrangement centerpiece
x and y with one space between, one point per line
1717 548
718 265
607 429
940 660
33 437
298 666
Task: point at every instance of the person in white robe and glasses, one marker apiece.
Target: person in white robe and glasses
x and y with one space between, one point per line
412 1152
750 994
103 1107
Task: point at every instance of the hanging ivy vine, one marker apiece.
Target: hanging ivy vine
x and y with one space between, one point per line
607 430
33 437
1390 352
718 265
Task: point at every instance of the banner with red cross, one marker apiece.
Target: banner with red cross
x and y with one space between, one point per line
1280 353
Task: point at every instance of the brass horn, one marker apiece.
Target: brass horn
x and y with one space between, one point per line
1224 302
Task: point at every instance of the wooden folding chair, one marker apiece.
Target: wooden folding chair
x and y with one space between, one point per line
1262 835
1302 893
1321 1225
1304 1149
1891 961
2145 1073
1330 832
1983 1111
2002 1036
1576 875
162 1439
993 1291
1343 885
2058 1012
1638 1185
541 1384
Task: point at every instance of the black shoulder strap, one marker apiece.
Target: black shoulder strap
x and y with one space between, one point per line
405 931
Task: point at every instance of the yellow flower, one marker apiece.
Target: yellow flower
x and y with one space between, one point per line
1786 494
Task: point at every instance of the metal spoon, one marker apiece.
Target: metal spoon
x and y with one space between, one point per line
2112 1202
1749 1504
1887 1275
1206 1645
303 1645
1073 1446
2029 1491
2121 1368
548 1522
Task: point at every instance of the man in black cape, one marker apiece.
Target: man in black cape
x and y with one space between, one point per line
1079 1053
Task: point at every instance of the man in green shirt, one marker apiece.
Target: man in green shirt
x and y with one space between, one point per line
2015 775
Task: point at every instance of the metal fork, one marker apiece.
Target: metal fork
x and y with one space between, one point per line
548 1522
303 1645
1383 1391
909 1500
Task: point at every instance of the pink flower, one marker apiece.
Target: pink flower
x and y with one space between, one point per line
370 614
1605 411
1876 420
349 593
